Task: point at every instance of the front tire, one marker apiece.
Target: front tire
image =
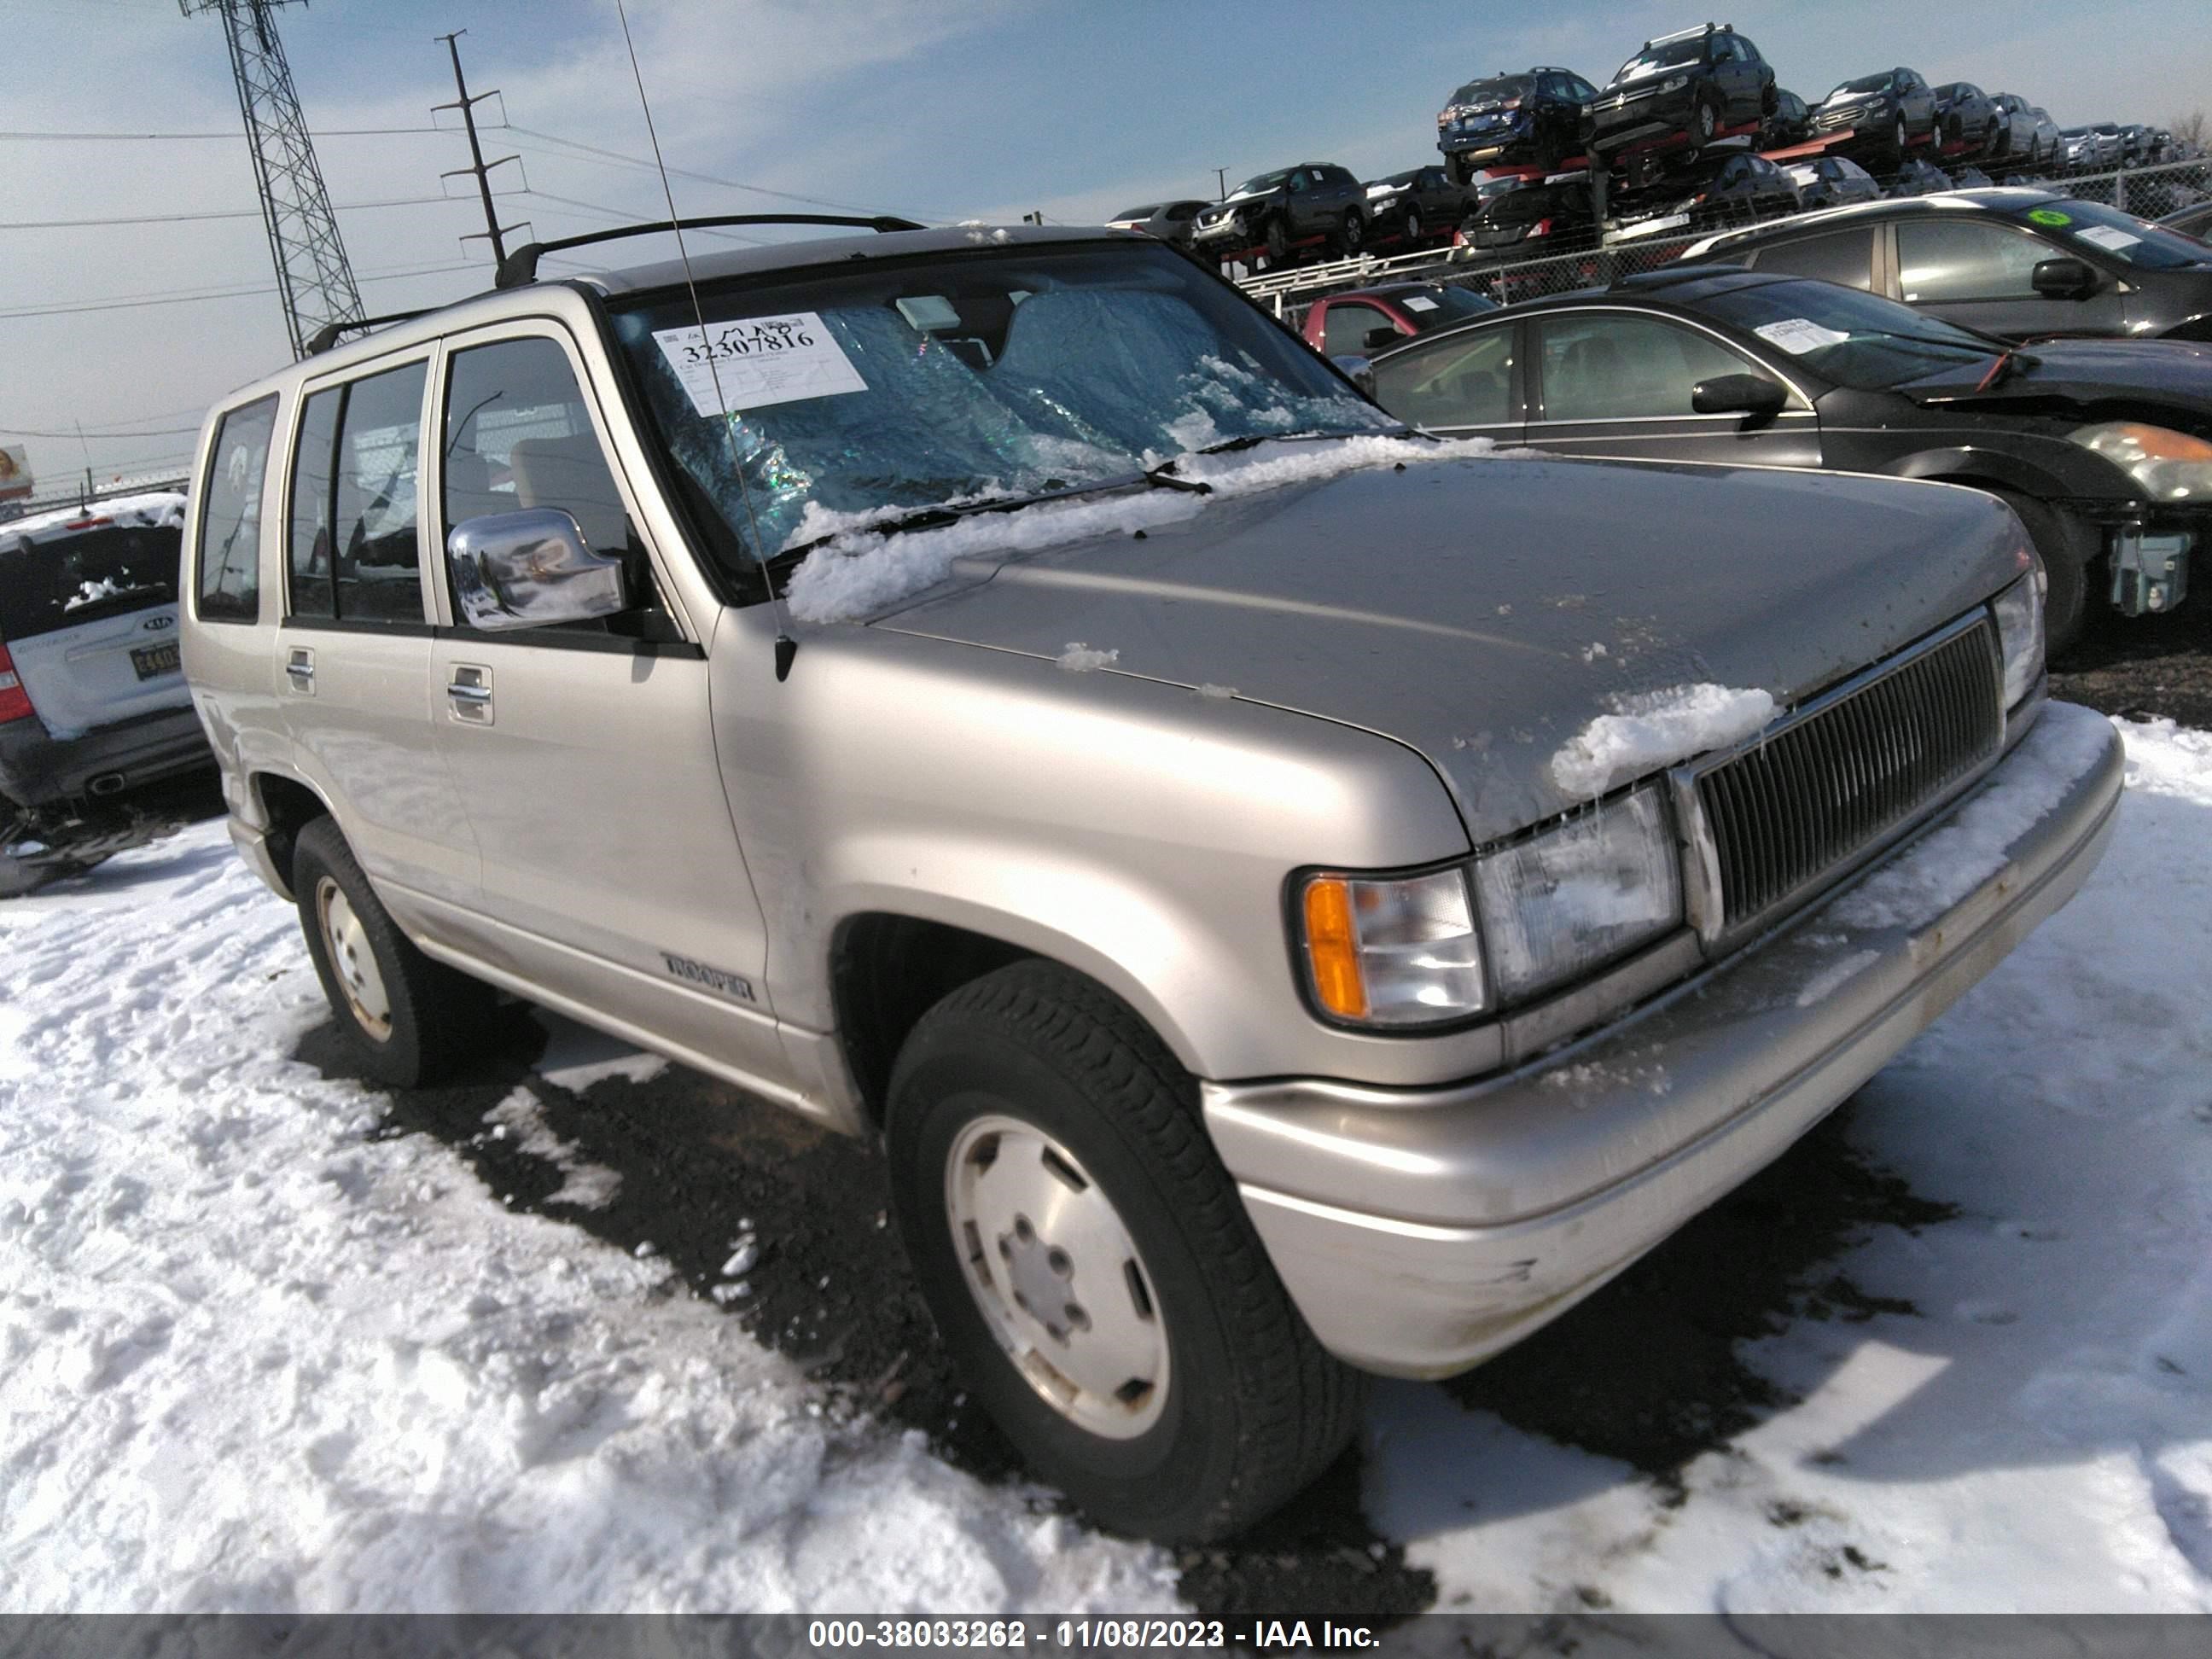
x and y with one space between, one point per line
2066 547
408 1020
1413 230
1091 1268
1705 124
1352 233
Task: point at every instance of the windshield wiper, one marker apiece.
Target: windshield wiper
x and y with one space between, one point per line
936 517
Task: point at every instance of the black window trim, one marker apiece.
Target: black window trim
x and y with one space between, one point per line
201 501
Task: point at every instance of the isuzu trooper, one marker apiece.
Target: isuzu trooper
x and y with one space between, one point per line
1293 898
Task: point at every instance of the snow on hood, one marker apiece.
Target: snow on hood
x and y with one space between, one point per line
862 572
1650 730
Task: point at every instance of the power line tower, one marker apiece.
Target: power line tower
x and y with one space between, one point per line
312 276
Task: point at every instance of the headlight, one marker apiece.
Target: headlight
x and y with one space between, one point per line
2019 635
1392 952
1674 83
1560 903
1405 953
2171 466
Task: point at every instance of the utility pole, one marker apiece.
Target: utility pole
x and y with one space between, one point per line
313 279
1221 184
481 170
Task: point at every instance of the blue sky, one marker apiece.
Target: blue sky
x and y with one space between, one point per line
945 109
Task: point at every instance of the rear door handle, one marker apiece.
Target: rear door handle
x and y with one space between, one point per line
299 669
469 692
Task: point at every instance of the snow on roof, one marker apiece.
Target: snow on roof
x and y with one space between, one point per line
154 507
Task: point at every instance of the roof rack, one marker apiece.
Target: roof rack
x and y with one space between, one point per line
519 268
330 333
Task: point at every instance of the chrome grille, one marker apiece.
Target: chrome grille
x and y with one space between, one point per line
1817 793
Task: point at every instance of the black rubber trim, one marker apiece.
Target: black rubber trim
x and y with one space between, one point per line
618 643
409 631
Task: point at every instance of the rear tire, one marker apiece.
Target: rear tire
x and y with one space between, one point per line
1111 1209
408 1020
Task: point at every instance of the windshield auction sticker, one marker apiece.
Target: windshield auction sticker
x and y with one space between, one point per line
2110 238
751 362
1797 336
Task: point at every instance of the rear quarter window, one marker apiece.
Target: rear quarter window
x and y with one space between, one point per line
1845 257
229 565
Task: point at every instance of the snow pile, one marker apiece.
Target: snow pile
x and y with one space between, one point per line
860 571
1649 730
1943 867
259 1357
92 594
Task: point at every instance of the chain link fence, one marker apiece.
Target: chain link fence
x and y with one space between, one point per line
1632 244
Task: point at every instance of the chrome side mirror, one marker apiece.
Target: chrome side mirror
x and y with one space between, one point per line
530 569
1360 372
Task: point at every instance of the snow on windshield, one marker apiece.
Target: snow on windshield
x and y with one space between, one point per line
1013 376
862 572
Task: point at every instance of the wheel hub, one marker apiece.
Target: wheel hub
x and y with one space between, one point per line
1057 1277
353 959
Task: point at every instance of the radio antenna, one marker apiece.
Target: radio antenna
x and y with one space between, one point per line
787 648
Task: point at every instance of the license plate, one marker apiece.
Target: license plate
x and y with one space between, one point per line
153 660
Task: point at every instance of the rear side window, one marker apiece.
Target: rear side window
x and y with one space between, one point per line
230 515
354 543
1845 257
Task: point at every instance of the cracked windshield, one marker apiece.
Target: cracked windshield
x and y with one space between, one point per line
858 398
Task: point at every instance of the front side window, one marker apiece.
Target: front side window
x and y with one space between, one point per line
1614 367
230 515
1466 379
1941 259
819 397
354 546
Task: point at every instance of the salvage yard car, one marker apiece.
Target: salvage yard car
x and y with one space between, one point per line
2104 449
1689 87
2028 265
1276 211
998 693
1533 120
95 714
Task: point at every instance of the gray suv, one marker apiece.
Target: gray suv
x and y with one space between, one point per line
998 693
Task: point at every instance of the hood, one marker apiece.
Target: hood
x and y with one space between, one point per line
2072 375
1483 612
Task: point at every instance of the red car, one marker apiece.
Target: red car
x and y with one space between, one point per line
1369 319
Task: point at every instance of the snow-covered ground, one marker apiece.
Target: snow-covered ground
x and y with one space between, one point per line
254 1355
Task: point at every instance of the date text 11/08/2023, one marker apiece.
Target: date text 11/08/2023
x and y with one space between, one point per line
1274 1635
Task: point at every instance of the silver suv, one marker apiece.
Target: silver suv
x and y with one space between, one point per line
1291 898
95 715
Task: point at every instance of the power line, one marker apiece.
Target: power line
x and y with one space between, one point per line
186 297
617 156
242 213
165 137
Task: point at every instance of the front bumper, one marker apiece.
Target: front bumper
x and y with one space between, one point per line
1233 230
1420 1231
37 771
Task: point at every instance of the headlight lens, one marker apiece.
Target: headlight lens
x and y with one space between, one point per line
2020 633
1558 905
2171 466
1674 83
1392 952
